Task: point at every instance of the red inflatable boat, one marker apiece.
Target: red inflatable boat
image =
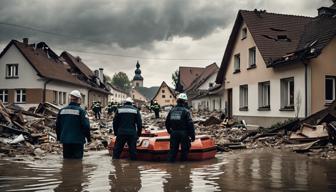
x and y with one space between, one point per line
154 146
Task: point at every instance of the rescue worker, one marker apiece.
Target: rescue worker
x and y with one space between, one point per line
114 107
127 126
156 108
181 129
109 110
96 108
72 127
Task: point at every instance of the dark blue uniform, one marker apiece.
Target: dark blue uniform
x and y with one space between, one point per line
72 127
127 126
181 129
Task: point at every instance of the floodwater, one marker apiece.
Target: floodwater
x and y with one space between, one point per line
260 170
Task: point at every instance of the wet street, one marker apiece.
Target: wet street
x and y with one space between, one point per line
260 170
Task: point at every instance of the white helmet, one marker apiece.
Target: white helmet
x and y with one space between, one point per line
76 93
182 96
128 100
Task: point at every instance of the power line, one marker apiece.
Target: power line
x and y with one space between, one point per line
99 53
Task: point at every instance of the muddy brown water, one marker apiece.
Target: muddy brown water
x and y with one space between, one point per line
260 170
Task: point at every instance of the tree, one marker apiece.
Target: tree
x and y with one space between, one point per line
175 76
121 80
107 78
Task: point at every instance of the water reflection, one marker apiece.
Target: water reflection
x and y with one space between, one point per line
125 177
178 178
258 170
71 175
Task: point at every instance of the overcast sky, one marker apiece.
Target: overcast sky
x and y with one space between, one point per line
114 34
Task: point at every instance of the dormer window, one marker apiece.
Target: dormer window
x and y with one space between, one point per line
12 71
244 33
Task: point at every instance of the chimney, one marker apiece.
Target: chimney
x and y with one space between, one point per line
25 41
101 75
78 59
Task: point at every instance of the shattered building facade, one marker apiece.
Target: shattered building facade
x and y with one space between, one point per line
278 66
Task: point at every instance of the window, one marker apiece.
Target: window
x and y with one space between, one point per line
20 96
60 98
287 93
236 63
137 84
244 33
264 95
163 96
329 89
4 95
64 98
55 97
12 71
243 98
170 96
163 91
211 85
252 57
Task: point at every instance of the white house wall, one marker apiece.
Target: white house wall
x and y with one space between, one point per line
117 96
66 87
211 103
261 73
211 79
28 77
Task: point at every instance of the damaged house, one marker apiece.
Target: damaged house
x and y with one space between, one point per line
34 73
203 91
278 66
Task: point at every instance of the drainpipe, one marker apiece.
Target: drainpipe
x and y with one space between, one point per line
88 99
306 87
45 90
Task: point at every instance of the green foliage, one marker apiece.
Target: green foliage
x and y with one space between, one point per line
107 78
175 78
121 80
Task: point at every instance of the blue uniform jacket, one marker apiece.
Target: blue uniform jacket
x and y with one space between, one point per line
127 121
72 125
179 119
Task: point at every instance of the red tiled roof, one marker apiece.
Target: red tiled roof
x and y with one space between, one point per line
48 64
77 62
266 29
188 74
48 67
206 74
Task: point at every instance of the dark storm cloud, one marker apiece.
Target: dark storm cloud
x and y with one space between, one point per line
127 23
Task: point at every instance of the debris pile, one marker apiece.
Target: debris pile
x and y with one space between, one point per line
30 132
314 135
33 131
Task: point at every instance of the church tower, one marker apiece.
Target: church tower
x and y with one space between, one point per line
137 79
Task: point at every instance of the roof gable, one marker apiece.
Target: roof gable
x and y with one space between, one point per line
147 92
44 64
188 74
164 84
77 63
205 75
274 35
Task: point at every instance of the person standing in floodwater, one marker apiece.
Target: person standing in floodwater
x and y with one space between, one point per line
127 126
181 129
72 127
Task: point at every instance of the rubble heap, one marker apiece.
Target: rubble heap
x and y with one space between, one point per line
33 132
314 135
